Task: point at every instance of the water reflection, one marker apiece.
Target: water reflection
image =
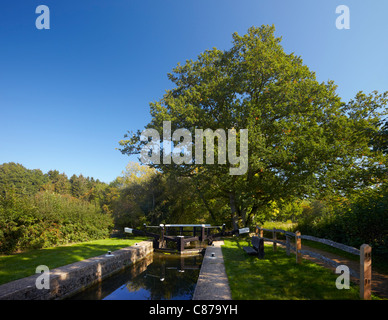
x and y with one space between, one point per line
157 277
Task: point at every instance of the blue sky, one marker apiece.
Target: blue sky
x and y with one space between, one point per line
70 93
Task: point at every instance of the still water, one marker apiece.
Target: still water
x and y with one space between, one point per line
159 276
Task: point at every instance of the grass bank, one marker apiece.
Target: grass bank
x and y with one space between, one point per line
24 264
379 261
278 277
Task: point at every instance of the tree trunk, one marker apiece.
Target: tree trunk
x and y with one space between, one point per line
233 208
206 204
251 215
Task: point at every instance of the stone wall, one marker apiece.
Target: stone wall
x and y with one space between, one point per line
72 278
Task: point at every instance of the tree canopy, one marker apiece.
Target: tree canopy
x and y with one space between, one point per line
304 141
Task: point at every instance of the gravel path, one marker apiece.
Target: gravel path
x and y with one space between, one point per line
379 280
213 282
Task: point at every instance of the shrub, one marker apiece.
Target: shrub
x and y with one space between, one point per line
362 219
49 219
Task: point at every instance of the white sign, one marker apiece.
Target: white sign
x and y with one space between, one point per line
243 230
129 230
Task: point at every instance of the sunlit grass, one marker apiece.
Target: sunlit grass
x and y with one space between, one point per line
279 277
287 226
24 264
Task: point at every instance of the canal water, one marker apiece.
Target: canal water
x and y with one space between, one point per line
159 276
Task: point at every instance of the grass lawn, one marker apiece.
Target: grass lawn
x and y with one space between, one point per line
24 264
379 261
278 276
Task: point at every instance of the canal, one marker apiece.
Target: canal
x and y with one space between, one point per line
159 276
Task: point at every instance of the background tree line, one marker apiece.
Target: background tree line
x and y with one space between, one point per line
39 209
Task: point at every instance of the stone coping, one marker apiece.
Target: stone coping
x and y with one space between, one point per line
73 278
213 282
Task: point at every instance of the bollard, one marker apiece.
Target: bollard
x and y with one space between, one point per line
180 243
202 237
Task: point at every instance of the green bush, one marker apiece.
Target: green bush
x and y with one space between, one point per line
48 219
362 219
367 219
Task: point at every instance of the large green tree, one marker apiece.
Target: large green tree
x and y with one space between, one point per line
303 139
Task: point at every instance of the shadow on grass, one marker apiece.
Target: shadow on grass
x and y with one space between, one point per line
278 276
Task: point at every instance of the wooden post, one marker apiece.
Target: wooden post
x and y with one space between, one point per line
261 232
365 272
274 238
180 243
298 247
202 237
257 231
287 244
182 265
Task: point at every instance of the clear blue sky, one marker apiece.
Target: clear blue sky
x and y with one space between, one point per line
69 94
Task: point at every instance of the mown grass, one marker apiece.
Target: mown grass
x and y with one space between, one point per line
287 225
379 261
279 277
24 264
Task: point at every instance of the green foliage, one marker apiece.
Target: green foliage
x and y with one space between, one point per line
280 211
58 183
144 195
48 219
21 179
29 182
303 139
363 218
39 210
380 140
78 186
